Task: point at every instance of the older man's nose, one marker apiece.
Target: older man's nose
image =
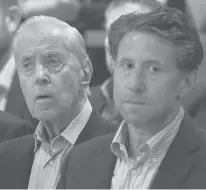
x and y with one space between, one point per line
42 75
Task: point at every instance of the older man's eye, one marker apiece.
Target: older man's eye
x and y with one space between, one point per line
154 69
27 65
54 62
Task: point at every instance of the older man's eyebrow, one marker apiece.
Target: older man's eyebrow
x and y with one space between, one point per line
53 53
152 61
26 57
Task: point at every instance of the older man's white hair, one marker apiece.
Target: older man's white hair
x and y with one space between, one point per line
63 29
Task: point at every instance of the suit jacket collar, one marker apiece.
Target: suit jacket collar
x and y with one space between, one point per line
95 168
179 160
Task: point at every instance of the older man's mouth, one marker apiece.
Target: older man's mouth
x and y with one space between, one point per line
42 98
136 102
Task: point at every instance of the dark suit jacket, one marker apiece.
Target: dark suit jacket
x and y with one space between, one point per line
16 104
195 103
16 156
91 164
12 127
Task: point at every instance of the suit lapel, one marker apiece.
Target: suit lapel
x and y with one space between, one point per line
27 157
103 166
178 163
91 167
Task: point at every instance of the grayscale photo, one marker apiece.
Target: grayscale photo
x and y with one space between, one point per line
102 94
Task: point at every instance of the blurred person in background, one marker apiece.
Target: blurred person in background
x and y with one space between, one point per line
10 92
178 4
195 99
10 126
54 71
102 95
66 10
158 145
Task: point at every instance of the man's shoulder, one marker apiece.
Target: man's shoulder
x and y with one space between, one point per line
104 126
193 137
16 158
12 126
90 150
14 146
93 148
6 117
194 98
102 141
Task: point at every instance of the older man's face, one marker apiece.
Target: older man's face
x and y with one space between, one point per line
49 73
146 78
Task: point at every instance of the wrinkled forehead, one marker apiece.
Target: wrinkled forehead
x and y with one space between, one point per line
36 38
123 9
39 34
40 31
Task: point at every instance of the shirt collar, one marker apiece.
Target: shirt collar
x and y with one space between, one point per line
74 129
70 134
120 142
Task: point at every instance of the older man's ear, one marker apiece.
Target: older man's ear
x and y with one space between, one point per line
87 73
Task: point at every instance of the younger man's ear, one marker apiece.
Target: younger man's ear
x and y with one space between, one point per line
188 83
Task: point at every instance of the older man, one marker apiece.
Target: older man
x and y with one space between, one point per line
12 13
54 72
158 145
101 95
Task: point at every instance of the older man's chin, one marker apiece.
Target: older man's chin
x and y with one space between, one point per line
44 114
